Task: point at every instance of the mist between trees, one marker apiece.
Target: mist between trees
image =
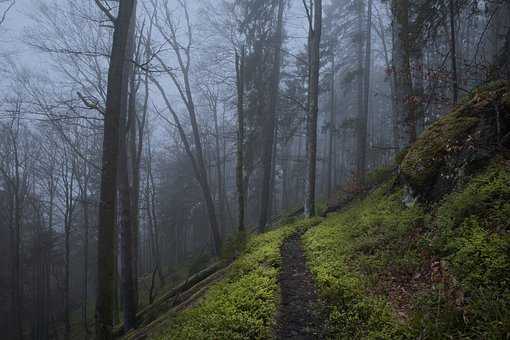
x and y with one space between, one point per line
146 134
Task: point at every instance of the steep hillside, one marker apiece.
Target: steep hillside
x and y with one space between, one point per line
425 254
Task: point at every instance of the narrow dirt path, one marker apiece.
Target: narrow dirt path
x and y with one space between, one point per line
301 313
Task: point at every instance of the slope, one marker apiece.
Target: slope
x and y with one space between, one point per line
424 254
427 254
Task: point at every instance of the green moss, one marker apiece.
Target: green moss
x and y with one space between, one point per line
426 158
377 245
485 90
399 157
379 175
241 306
485 195
349 251
471 232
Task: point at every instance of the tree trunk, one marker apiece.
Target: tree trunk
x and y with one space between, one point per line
107 209
219 172
16 274
126 222
269 123
126 241
202 169
402 67
360 97
128 233
135 158
240 139
67 310
332 125
68 177
361 164
453 53
86 226
153 221
313 107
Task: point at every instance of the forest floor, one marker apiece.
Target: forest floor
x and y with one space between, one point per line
301 314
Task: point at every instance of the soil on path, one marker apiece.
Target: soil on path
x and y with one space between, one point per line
301 313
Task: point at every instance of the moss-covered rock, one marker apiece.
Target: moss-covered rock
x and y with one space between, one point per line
459 143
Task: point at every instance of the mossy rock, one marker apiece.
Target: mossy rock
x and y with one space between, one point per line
459 143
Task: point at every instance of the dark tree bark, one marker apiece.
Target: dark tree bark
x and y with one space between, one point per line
107 208
362 133
405 103
315 27
126 241
68 179
332 125
128 247
136 138
360 97
240 139
152 216
453 53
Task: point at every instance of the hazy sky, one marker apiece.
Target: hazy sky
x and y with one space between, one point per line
11 33
19 19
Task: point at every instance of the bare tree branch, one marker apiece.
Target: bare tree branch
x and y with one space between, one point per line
9 7
107 11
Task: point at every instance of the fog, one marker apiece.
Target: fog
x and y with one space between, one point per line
139 140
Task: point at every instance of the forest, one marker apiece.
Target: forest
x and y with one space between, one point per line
254 169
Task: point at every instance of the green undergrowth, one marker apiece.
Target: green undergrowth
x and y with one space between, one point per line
346 253
388 271
243 305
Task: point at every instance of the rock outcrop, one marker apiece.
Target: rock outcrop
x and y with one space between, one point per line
458 144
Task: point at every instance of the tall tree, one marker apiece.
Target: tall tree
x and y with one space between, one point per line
126 190
332 124
240 138
107 209
453 51
402 45
362 131
68 176
314 14
269 123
